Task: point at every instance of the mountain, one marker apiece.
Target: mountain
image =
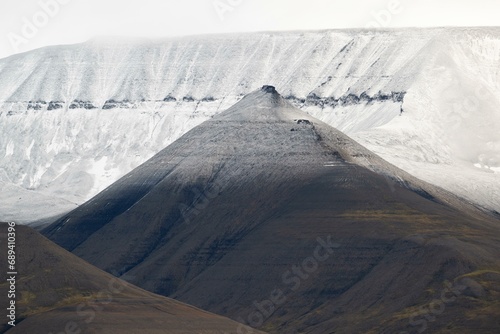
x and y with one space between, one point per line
74 119
271 217
56 291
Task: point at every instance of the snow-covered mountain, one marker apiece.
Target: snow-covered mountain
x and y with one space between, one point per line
75 118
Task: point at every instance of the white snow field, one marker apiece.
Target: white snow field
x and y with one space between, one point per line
73 119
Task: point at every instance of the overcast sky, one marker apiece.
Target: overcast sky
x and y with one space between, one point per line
30 24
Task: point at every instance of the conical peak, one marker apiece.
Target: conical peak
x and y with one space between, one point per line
269 93
266 93
272 96
261 103
269 89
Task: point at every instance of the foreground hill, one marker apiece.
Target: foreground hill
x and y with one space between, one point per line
58 292
74 119
273 218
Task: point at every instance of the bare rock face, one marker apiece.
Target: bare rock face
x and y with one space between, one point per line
269 89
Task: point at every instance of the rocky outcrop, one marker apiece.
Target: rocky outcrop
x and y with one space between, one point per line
350 99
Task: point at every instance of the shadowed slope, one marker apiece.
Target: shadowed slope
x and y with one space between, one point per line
265 205
58 292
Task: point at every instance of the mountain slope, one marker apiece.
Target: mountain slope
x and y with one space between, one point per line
56 291
264 208
127 101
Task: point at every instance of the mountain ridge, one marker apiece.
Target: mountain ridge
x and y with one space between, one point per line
58 291
411 95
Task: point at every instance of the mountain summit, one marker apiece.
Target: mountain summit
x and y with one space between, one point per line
76 118
275 219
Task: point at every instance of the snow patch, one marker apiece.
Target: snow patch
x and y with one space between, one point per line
106 108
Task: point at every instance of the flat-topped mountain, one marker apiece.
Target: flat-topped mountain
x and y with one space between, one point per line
75 118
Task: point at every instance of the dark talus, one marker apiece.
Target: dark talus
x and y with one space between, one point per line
56 292
269 216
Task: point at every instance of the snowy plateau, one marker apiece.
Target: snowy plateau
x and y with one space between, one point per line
74 119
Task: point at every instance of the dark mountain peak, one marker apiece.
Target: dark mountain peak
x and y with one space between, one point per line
263 104
269 89
200 218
